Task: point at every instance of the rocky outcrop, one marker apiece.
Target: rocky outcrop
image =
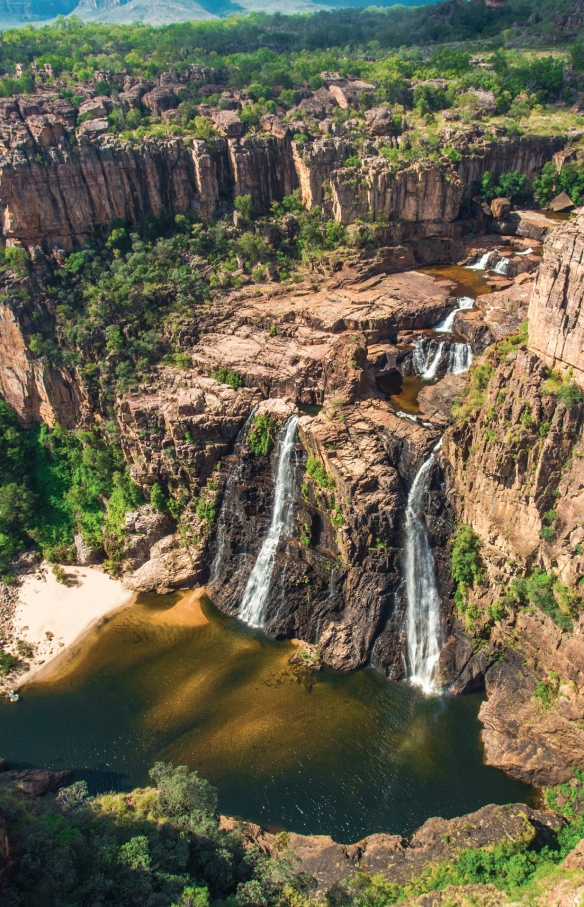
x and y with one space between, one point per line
36 782
556 310
402 860
38 392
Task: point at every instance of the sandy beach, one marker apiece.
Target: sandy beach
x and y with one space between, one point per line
51 616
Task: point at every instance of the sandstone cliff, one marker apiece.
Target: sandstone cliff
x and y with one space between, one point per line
58 183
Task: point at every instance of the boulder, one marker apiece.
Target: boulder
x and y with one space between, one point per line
228 122
159 99
436 400
98 108
500 208
379 120
93 127
562 202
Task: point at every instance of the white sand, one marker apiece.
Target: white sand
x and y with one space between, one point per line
66 612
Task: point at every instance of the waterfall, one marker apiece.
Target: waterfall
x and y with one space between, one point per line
463 304
459 358
501 266
424 624
426 358
253 605
525 252
481 264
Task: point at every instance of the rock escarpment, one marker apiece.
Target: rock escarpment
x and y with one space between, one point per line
556 312
514 467
58 183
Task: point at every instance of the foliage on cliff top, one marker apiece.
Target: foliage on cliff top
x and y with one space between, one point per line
157 846
53 483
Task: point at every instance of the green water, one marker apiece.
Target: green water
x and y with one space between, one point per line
173 678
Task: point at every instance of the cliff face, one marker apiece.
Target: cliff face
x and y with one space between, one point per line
556 311
58 183
37 391
515 470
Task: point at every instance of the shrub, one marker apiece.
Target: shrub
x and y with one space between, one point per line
319 473
262 435
227 376
570 394
509 185
157 498
545 592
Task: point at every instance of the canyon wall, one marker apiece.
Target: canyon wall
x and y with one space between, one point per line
58 184
514 463
556 311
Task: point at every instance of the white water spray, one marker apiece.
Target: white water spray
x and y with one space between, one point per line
253 605
445 326
424 622
481 264
426 358
459 358
501 266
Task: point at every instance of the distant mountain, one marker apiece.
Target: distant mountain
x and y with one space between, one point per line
161 12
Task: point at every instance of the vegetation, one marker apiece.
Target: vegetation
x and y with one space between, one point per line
507 185
262 434
551 183
316 471
227 376
544 591
467 567
55 483
157 846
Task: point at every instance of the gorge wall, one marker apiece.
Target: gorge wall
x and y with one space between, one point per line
59 183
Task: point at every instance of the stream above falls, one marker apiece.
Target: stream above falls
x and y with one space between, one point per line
170 677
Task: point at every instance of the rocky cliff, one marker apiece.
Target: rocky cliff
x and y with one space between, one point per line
556 313
59 182
514 468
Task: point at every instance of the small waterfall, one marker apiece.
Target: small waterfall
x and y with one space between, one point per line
525 252
501 267
459 358
424 623
253 605
463 304
481 264
433 364
426 358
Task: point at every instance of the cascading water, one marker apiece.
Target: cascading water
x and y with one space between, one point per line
463 304
424 621
253 605
459 358
482 263
501 266
426 358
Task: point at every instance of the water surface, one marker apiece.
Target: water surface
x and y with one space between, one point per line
170 677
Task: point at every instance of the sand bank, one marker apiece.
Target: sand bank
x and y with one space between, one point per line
51 616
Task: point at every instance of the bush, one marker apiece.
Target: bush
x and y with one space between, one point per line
227 376
507 185
570 394
262 435
319 473
545 592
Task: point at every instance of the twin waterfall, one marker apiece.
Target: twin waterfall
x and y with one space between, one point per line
255 598
424 624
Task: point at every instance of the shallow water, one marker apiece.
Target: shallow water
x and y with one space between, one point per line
467 282
401 391
170 677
